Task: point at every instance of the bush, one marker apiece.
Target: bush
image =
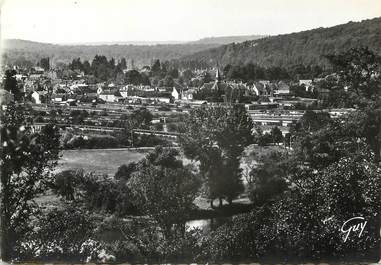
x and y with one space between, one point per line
66 183
124 171
76 142
96 192
111 196
246 237
101 142
139 240
60 234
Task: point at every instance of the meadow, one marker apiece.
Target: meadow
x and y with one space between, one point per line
107 161
102 161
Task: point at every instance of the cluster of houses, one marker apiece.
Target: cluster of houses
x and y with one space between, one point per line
44 87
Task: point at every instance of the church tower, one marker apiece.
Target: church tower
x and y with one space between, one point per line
218 75
218 79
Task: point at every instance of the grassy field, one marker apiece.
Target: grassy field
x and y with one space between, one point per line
103 161
107 161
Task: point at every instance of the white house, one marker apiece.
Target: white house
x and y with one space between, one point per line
175 94
20 77
37 96
307 83
282 88
58 97
187 94
123 93
38 70
161 99
124 90
110 96
259 89
264 82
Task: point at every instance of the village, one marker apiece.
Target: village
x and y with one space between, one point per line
185 132
270 104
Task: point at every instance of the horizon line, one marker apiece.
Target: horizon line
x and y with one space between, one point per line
174 42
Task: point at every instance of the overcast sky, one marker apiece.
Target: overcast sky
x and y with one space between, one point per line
73 21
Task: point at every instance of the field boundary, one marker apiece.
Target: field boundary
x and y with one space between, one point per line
115 149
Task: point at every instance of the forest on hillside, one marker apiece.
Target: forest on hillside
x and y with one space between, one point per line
307 47
24 53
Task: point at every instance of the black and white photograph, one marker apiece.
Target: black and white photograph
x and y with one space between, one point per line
190 132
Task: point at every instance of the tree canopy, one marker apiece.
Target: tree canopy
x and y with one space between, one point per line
216 137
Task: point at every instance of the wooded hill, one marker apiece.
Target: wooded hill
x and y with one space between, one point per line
227 39
20 51
306 47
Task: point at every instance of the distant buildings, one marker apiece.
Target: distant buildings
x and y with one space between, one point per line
281 88
110 96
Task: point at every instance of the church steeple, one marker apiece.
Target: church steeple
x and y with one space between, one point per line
218 74
217 82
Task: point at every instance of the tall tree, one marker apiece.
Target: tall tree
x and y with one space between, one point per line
141 119
216 137
165 189
359 74
10 84
276 135
156 67
45 63
123 63
135 78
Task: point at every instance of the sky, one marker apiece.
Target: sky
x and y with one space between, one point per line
77 21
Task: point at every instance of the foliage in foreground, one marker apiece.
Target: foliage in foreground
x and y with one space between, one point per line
60 234
312 212
27 160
